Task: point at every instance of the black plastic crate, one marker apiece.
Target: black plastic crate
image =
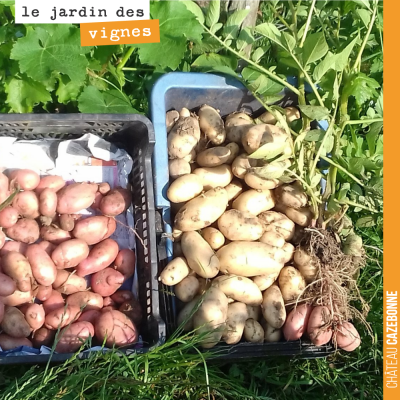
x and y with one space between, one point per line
191 90
135 134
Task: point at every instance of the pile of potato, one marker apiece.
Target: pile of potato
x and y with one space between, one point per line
61 270
233 232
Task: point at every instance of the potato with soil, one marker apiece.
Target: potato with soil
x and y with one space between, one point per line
187 289
199 255
115 328
319 326
17 298
116 202
235 322
271 334
48 203
174 272
346 336
273 239
273 307
132 310
52 182
234 189
178 167
258 135
288 249
304 263
253 331
61 317
212 125
170 119
106 282
34 315
43 337
25 178
72 337
185 188
76 197
241 164
14 323
17 267
202 211
54 234
213 237
291 283
297 322
69 283
100 256
213 177
254 181
8 217
237 225
27 204
213 157
7 285
183 137
125 263
70 253
239 289
249 259
236 125
301 216
273 221
43 268
86 300
292 195
254 201
211 317
291 114
25 230
94 229
265 281
9 343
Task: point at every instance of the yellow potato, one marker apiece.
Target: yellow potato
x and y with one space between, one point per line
292 195
185 188
254 201
253 331
187 288
175 271
291 114
241 164
271 334
253 312
256 182
183 137
213 177
273 239
178 167
234 189
273 307
235 322
265 281
236 125
237 225
213 237
301 216
273 221
213 157
288 248
258 135
171 117
291 283
212 125
234 152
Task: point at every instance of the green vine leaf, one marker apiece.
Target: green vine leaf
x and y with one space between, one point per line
317 113
315 47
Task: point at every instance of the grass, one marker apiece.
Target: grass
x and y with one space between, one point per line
174 371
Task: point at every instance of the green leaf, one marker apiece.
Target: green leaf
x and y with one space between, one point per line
362 3
315 135
372 135
260 83
215 60
317 113
46 50
24 94
316 180
177 25
212 16
364 15
195 10
257 54
108 102
215 28
366 222
362 87
268 151
270 31
379 104
272 170
315 47
233 23
289 41
244 39
67 90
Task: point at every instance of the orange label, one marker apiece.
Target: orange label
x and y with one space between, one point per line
122 32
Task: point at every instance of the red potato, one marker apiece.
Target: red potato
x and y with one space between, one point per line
109 302
296 322
43 337
17 267
4 187
27 204
26 178
346 336
47 247
86 300
67 222
14 323
54 301
101 256
17 298
74 336
116 328
70 253
317 330
48 202
76 197
116 202
121 296
7 285
125 263
44 292
2 307
108 308
69 283
54 235
62 316
34 315
97 201
2 239
25 230
43 268
12 245
104 188
53 182
90 316
8 217
9 343
94 229
107 281
132 310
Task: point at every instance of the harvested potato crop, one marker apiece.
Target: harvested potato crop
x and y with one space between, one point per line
273 221
273 307
17 298
253 312
44 292
235 322
17 267
288 249
187 288
27 204
170 119
234 189
303 262
265 281
90 316
12 245
8 343
14 323
53 182
191 157
186 314
346 337
53 302
236 125
211 317
239 288
273 239
238 225
47 247
174 272
178 167
212 125
292 195
132 310
7 285
249 259
61 317
76 197
199 255
318 327
106 282
69 283
271 334
241 164
8 217
291 114
213 237
213 157
70 253
104 188
43 337
86 300
183 137
34 315
94 229
48 203
184 113
54 235
301 216
296 322
125 263
291 283
202 211
115 202
254 201
185 188
213 177
253 331
257 182
234 152
42 266
258 135
74 336
25 178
